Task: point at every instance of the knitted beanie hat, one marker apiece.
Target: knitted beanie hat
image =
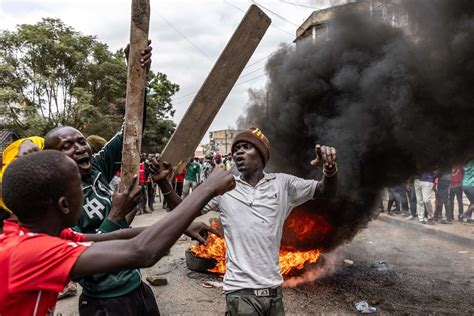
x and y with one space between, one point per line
96 142
255 137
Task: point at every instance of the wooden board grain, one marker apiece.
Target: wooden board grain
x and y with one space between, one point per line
216 87
136 79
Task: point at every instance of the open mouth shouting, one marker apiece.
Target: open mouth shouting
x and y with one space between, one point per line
84 163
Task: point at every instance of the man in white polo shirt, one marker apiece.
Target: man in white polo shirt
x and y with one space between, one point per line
252 217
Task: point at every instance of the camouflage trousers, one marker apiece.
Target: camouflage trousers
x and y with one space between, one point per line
255 302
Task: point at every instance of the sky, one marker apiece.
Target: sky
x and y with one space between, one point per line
187 37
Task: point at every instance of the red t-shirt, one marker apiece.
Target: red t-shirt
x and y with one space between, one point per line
180 176
141 178
35 268
457 175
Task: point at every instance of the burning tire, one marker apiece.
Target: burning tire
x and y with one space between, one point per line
199 264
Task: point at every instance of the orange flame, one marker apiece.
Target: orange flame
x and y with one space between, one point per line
291 259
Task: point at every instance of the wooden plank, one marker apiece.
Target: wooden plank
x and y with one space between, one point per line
136 79
216 87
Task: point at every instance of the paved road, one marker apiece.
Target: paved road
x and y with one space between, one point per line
424 275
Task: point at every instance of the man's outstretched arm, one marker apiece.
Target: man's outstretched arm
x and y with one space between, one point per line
149 246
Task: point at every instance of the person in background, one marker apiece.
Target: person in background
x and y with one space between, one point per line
198 161
442 198
208 166
219 163
179 182
142 182
150 185
410 188
424 190
392 198
18 148
468 188
191 178
115 181
455 190
96 142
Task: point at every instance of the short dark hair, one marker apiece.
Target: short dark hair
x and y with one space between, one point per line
48 138
34 183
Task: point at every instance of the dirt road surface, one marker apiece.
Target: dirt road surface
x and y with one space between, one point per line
422 275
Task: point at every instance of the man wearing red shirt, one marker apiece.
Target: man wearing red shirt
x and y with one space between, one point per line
38 257
455 190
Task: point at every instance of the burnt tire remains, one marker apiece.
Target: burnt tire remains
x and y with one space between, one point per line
199 264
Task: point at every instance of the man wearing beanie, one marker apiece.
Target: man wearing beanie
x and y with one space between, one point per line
252 217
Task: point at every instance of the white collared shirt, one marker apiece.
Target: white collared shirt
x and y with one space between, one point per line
252 218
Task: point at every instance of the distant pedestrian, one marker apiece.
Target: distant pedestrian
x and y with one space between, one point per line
143 189
219 163
392 199
150 185
468 187
455 190
180 182
423 191
207 167
410 187
191 178
442 198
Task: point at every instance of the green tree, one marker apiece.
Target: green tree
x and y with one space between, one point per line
52 75
159 126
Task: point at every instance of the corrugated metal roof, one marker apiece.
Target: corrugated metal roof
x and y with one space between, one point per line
6 137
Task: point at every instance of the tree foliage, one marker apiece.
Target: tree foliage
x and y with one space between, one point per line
52 75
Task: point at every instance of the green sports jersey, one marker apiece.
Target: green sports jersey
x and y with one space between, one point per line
95 209
193 169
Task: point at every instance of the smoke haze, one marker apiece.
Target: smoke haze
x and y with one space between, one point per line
393 105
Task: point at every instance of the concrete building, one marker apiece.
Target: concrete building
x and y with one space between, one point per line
388 11
221 140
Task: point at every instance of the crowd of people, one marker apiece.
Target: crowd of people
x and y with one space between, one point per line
435 197
66 222
197 170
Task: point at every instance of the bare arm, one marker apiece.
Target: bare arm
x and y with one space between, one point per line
149 246
118 234
169 194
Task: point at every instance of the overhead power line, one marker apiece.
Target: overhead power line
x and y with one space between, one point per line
299 5
191 94
184 36
276 14
236 85
274 26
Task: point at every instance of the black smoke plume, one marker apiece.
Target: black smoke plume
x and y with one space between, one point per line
394 103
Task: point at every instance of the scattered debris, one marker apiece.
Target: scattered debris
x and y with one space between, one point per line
364 308
209 284
156 281
375 302
380 266
348 263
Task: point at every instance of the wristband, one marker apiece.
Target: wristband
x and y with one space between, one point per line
331 172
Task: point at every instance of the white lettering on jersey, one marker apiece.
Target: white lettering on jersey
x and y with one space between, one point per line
93 207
